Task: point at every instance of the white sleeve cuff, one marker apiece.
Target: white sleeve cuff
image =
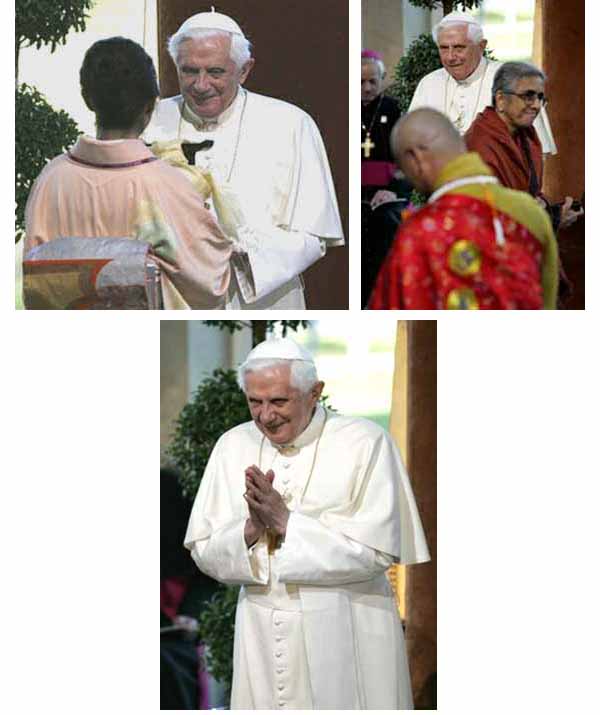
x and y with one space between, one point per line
271 258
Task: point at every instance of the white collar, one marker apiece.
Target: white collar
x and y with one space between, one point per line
455 183
310 433
475 76
207 124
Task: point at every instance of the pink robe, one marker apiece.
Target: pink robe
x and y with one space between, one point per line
119 189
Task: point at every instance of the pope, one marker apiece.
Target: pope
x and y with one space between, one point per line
265 154
306 509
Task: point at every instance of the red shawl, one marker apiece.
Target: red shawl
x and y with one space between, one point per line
505 153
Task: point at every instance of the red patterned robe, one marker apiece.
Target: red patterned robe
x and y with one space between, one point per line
447 256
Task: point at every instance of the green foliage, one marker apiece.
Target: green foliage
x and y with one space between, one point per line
234 325
216 629
48 22
421 58
41 133
448 5
217 405
417 199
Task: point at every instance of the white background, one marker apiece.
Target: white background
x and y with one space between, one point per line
518 493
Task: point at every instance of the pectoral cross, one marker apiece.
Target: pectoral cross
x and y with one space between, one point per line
367 145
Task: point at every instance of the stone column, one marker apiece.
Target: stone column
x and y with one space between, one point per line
563 45
173 375
382 30
421 585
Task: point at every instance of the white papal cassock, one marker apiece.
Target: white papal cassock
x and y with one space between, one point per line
316 625
462 100
270 153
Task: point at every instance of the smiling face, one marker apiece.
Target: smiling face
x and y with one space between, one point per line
516 112
208 77
281 412
459 55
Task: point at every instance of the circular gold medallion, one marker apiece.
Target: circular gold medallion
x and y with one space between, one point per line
464 258
462 299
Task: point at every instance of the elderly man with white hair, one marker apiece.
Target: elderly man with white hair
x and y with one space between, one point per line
265 152
306 509
462 87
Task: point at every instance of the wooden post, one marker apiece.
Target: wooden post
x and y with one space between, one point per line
421 583
563 44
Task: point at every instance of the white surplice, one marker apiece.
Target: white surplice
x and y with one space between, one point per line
316 625
271 155
462 100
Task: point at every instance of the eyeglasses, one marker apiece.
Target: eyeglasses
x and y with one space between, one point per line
531 96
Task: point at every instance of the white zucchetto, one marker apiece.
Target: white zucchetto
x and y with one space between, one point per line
279 349
211 21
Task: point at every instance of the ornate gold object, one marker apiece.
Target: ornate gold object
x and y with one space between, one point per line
462 299
464 258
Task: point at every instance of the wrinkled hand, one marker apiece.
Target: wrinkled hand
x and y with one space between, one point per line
264 502
567 215
383 197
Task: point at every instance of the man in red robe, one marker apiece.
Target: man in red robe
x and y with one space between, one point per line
476 244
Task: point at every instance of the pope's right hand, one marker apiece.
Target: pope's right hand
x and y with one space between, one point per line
254 527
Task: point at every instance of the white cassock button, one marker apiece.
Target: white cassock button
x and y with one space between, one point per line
280 687
279 638
278 623
280 670
278 654
281 703
286 480
286 465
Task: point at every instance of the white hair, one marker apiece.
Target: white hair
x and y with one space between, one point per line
375 61
303 374
240 52
474 30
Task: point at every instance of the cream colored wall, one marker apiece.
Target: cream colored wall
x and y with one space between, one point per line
382 30
56 74
174 382
189 352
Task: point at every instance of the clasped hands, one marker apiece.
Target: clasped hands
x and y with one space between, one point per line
265 504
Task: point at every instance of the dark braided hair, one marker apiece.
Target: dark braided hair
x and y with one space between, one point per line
118 80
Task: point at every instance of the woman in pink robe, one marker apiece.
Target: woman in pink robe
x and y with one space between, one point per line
113 186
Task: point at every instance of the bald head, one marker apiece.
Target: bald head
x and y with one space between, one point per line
423 142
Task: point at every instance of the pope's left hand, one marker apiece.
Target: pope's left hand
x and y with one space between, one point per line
266 501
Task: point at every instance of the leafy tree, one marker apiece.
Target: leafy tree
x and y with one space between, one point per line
217 405
216 629
40 134
47 22
448 5
259 328
421 58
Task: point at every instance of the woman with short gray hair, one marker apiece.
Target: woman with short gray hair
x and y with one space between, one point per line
504 136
